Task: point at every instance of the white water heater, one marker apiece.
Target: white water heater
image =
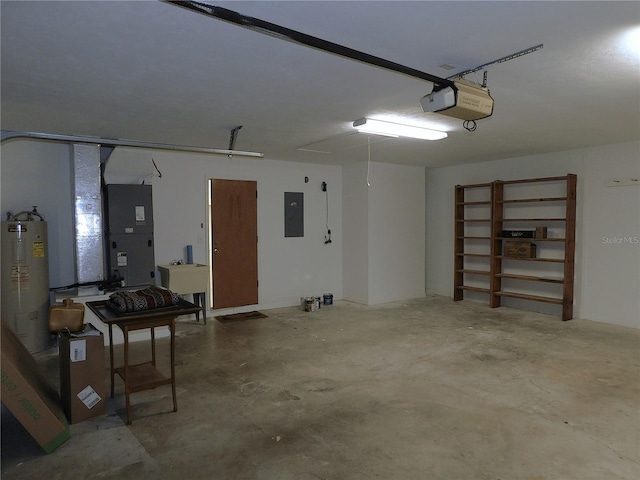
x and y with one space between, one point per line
25 279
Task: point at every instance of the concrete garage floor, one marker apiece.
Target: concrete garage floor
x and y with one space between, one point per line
423 389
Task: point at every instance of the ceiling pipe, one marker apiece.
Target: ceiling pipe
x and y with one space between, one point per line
295 36
10 134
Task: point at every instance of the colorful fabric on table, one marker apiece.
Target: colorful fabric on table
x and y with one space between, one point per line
140 300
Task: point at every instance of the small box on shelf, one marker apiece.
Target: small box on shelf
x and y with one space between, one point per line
519 233
519 249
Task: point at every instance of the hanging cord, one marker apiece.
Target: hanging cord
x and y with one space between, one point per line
327 195
156 167
159 175
369 158
327 237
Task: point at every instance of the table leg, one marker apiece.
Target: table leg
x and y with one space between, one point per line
200 299
125 332
111 357
204 307
153 346
172 327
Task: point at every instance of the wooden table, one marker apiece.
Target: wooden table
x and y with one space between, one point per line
142 376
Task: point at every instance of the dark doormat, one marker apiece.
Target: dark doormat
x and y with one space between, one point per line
236 317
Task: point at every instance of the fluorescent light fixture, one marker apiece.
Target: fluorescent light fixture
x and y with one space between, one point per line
390 129
632 41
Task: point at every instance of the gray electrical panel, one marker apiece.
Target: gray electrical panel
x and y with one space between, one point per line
130 246
293 214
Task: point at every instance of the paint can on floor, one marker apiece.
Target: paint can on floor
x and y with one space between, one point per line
317 303
328 298
309 304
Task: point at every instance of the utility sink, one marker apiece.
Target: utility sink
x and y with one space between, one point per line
185 278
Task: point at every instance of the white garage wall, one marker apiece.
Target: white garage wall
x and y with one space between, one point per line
288 268
355 224
607 271
396 233
607 275
611 233
39 173
384 232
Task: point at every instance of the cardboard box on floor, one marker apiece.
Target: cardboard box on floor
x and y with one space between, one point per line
29 396
82 371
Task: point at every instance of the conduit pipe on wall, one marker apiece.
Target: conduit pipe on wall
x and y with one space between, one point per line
87 153
9 135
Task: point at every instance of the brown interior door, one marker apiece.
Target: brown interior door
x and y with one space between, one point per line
234 212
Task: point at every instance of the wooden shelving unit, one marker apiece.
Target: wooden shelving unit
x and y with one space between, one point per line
507 200
472 230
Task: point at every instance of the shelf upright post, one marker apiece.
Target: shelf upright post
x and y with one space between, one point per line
569 247
497 215
459 243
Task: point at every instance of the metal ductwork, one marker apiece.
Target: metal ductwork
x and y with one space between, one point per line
89 251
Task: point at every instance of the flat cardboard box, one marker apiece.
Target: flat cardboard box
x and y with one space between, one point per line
82 375
26 393
519 249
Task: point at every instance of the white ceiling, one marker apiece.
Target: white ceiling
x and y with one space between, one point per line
150 71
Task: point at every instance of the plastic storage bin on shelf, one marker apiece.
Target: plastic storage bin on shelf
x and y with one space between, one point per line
185 278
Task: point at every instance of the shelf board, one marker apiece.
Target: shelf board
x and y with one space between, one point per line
474 238
541 220
553 260
529 200
534 180
483 255
474 272
479 202
531 278
475 185
520 239
143 377
536 298
473 289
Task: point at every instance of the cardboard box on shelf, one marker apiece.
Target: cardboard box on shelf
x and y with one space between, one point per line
519 249
82 375
541 232
26 393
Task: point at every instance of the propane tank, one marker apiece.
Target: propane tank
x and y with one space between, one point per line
25 278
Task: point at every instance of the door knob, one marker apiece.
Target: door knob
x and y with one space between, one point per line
215 250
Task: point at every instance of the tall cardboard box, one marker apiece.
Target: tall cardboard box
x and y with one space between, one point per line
82 372
29 396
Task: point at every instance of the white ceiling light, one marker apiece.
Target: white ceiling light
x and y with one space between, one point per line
389 129
632 41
